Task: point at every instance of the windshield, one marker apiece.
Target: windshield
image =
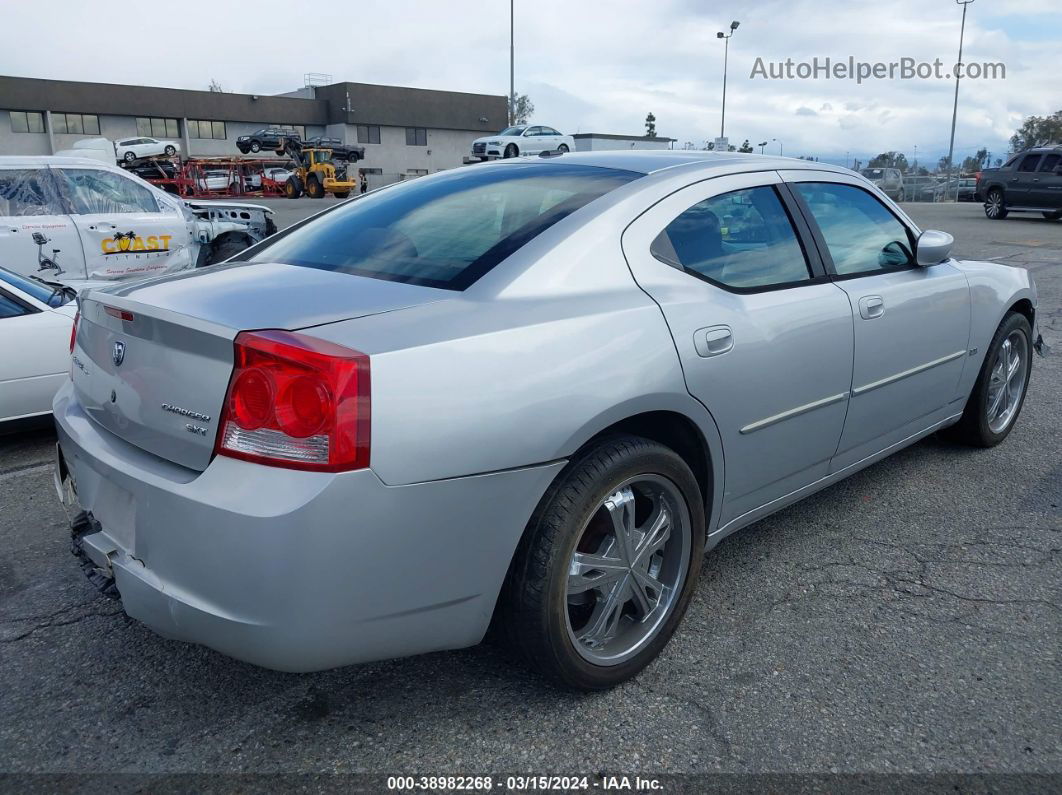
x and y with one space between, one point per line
447 231
873 173
513 131
50 294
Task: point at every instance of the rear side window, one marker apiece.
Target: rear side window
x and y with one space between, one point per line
742 240
28 191
1050 163
1029 163
447 231
861 234
10 307
94 191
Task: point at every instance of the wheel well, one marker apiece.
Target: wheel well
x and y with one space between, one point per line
1025 307
676 432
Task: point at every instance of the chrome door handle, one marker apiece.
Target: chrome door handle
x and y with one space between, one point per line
713 341
871 306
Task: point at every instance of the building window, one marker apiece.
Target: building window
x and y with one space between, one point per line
368 134
297 128
207 129
416 136
416 172
76 123
27 121
156 128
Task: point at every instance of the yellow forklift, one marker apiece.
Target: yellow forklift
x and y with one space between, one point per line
317 171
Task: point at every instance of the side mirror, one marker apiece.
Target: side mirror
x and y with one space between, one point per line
933 247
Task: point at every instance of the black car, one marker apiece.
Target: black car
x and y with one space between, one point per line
340 150
267 138
1029 182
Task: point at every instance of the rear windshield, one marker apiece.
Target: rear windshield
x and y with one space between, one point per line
447 231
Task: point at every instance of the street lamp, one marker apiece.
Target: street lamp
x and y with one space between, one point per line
726 55
512 62
761 145
955 106
775 140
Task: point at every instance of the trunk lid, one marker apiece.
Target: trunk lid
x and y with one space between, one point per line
157 377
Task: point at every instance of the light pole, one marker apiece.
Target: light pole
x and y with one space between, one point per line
955 106
779 146
726 55
761 145
512 64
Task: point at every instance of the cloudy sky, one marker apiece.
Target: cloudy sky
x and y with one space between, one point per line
590 66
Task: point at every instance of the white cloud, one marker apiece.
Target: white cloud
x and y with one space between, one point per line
595 66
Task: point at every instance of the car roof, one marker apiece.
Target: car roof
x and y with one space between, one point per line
652 161
51 160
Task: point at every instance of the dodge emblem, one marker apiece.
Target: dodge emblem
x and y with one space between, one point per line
118 353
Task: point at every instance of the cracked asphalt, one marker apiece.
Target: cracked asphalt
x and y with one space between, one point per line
905 620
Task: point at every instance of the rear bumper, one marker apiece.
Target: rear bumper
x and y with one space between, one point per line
290 570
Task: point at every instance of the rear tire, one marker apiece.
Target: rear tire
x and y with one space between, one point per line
129 157
583 626
170 151
563 148
1053 216
256 147
983 423
995 205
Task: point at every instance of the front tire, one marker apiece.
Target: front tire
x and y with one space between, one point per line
256 147
511 151
563 148
999 393
170 151
607 565
129 157
314 187
995 206
293 187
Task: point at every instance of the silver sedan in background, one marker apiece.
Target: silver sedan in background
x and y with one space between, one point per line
530 393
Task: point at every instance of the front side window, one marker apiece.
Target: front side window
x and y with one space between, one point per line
416 136
93 191
861 235
742 240
27 192
445 231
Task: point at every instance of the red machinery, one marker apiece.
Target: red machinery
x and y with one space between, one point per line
216 177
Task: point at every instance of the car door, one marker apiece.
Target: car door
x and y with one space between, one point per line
37 235
912 324
34 353
765 339
1019 182
124 228
1046 190
532 141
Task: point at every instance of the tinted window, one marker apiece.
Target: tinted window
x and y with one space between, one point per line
513 131
95 191
9 307
1050 163
41 292
1011 162
742 239
27 192
447 231
861 234
1029 163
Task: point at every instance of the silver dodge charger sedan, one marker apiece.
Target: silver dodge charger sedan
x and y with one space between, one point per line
527 394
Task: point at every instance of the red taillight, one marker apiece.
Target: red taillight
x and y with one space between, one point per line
296 401
73 330
121 314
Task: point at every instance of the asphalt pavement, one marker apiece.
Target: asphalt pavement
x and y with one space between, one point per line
904 620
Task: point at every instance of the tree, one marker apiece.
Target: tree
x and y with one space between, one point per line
746 147
650 126
976 162
215 87
943 164
709 146
1037 131
689 145
521 108
890 160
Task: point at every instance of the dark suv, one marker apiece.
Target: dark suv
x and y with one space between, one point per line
1030 182
267 138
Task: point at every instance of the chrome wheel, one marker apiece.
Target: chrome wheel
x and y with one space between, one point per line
994 204
1006 383
628 569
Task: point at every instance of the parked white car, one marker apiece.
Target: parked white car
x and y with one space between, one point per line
527 139
36 320
75 219
132 149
